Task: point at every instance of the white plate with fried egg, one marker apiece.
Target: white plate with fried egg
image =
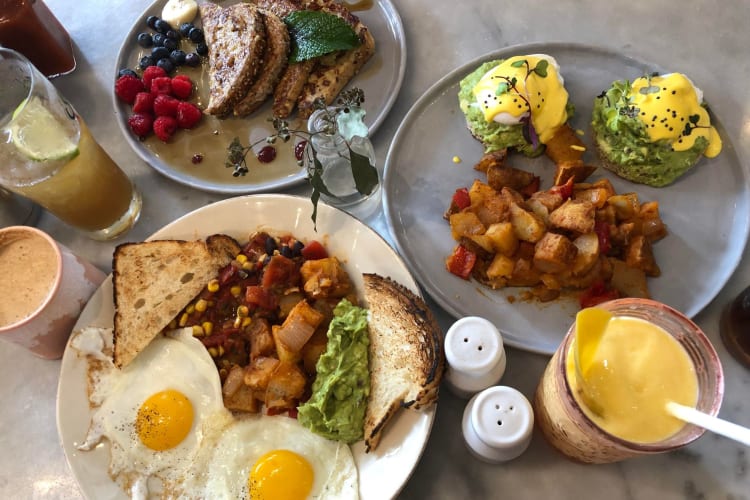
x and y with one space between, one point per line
380 474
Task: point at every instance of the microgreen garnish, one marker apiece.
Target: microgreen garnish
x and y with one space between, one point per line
510 84
349 102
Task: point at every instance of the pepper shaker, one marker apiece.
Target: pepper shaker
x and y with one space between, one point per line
497 424
475 355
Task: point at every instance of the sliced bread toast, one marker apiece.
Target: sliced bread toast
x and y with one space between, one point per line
152 281
236 41
406 354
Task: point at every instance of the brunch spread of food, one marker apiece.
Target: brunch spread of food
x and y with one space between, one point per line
292 51
245 370
578 235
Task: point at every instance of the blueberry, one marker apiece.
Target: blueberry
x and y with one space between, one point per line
126 72
195 35
145 40
166 64
151 21
145 62
201 49
173 35
170 44
185 28
177 57
192 59
286 251
162 26
158 39
159 53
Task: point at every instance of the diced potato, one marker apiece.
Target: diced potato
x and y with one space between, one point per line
503 238
258 373
577 170
483 241
554 253
501 267
325 278
626 205
501 175
313 349
538 208
490 159
526 225
479 191
296 330
565 146
287 302
284 353
236 394
596 195
464 224
286 386
574 215
640 255
524 274
588 251
261 339
652 226
550 199
629 281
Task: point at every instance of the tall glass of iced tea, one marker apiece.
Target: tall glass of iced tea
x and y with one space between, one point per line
48 155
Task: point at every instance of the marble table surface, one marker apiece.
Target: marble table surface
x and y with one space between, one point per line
707 39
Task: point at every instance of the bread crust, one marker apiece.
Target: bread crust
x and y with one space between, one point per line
152 281
406 354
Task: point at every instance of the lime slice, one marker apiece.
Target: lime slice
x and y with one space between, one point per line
39 135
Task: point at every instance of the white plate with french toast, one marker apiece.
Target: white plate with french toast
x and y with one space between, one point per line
359 248
706 211
196 157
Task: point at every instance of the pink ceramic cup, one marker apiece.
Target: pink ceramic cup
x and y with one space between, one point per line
43 288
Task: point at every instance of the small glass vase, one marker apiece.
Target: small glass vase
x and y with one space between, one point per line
332 151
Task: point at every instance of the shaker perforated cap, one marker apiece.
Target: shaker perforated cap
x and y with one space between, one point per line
473 345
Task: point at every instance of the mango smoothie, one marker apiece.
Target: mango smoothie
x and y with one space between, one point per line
648 354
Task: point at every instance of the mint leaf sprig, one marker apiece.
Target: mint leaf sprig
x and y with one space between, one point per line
364 173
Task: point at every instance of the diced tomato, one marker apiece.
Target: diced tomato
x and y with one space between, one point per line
596 294
564 190
602 230
314 250
261 297
461 262
226 274
461 198
280 272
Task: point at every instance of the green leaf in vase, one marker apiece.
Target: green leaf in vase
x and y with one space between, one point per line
365 175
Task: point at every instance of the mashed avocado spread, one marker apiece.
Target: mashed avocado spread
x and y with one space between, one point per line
336 409
624 142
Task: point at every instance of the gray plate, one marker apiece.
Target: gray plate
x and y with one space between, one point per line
707 211
380 79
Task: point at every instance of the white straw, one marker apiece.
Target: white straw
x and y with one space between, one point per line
713 424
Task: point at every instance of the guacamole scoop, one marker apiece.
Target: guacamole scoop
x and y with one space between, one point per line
336 409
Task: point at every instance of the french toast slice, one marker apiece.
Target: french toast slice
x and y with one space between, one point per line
153 280
236 41
406 354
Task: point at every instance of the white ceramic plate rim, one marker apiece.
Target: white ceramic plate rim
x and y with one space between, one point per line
444 295
378 110
382 473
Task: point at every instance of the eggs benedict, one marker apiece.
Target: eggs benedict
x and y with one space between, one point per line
518 103
653 130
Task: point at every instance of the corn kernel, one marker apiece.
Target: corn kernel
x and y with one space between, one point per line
201 305
198 331
246 321
183 319
214 352
241 258
221 350
248 266
213 285
208 327
236 290
580 132
190 309
577 147
243 311
456 159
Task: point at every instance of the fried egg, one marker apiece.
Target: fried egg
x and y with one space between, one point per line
161 414
275 457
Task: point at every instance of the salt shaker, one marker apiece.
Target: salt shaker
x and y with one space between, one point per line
475 354
497 424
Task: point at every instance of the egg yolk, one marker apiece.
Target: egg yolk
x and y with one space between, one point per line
669 108
280 474
519 87
164 420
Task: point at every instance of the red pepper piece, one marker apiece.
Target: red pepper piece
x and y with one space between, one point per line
461 262
314 250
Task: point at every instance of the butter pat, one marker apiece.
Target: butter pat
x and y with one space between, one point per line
177 12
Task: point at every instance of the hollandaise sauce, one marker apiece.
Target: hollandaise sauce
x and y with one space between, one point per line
638 367
524 87
670 108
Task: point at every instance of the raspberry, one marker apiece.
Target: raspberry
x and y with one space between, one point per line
150 73
161 85
188 115
140 124
164 127
144 103
182 87
165 105
126 88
